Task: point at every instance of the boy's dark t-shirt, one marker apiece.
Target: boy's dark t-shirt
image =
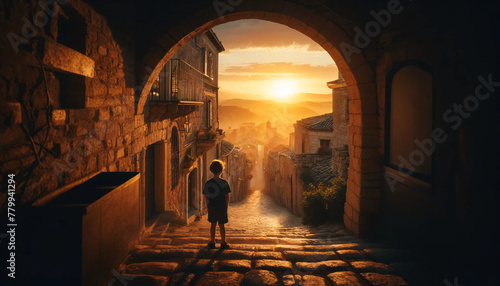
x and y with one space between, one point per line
216 189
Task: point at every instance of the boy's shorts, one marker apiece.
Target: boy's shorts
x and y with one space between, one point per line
217 213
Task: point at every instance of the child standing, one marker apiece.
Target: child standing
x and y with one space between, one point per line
216 193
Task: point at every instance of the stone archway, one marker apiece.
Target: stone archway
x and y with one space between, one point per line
329 31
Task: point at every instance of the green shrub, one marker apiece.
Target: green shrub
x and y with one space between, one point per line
306 177
324 202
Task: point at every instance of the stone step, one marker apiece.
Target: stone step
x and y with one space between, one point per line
139 280
285 247
263 271
152 241
342 249
240 234
327 266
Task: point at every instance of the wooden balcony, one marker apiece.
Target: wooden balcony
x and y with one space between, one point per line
161 110
207 139
177 92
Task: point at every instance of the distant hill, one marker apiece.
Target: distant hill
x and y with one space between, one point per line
234 116
268 107
299 97
234 112
315 97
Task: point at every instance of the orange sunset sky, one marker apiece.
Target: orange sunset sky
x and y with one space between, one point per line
264 60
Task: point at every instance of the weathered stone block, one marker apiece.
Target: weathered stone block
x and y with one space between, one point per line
58 117
268 255
152 268
350 254
115 90
103 114
197 265
240 266
76 116
377 279
260 277
140 280
102 50
308 256
138 120
345 278
322 267
273 265
370 266
291 280
139 132
182 279
143 255
116 110
362 205
311 280
61 57
120 153
215 278
179 253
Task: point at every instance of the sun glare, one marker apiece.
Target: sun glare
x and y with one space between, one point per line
283 88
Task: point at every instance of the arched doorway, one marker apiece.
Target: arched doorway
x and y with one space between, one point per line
174 159
193 198
329 30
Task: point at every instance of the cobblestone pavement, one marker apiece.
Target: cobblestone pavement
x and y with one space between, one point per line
269 246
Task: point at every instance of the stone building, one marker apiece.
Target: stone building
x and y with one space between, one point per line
282 180
285 171
340 152
186 93
238 171
313 133
81 120
75 81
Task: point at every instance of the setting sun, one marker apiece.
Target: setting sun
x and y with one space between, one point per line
283 88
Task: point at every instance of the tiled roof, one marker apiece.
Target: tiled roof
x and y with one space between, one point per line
290 154
321 122
227 147
322 172
280 149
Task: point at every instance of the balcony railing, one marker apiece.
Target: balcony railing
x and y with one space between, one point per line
178 82
208 138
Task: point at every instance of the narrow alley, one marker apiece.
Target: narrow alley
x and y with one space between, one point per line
269 246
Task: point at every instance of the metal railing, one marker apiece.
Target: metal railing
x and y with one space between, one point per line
178 81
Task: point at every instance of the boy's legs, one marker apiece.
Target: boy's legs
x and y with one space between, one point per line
212 231
222 233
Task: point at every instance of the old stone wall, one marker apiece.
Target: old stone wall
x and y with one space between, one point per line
309 160
238 174
340 117
310 139
340 162
340 152
283 182
49 142
283 177
66 122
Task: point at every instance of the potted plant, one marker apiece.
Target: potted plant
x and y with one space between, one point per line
212 134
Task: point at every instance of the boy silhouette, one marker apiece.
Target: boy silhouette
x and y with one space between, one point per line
216 192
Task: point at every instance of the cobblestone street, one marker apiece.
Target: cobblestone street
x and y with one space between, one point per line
269 246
